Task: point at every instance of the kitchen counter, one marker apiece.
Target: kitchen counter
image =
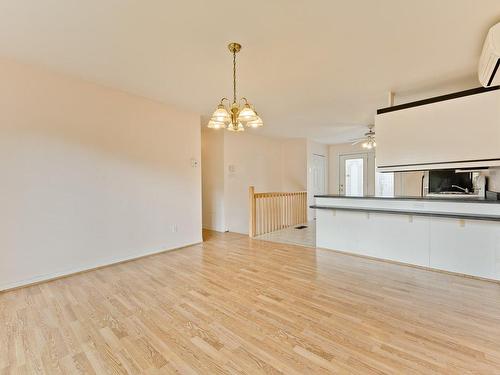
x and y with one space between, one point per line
413 212
456 235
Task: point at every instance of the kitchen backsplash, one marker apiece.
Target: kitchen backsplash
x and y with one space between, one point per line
409 183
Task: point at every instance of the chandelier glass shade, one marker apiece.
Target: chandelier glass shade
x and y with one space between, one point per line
238 114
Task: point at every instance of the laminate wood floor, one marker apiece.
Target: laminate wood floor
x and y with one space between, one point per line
238 306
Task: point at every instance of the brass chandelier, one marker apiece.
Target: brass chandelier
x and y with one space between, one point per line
236 116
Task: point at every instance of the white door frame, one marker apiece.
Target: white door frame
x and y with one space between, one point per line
311 192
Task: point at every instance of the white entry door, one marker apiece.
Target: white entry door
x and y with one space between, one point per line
353 173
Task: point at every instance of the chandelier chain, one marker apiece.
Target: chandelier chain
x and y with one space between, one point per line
234 77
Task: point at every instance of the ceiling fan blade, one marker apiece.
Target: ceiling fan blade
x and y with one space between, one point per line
356 141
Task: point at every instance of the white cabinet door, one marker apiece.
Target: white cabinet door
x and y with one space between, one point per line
402 238
395 237
468 247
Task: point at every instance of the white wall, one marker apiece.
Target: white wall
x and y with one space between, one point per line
212 156
90 175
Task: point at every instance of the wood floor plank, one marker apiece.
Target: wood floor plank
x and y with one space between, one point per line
233 305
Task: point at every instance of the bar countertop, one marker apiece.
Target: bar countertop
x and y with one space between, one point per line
413 198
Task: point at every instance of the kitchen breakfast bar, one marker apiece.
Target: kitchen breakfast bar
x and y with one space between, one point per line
455 235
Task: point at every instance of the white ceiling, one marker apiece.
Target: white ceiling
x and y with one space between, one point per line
316 69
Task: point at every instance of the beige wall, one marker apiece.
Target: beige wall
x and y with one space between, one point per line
90 175
234 161
294 159
212 156
493 176
408 184
255 161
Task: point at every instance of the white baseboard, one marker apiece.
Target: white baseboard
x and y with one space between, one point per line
214 228
83 268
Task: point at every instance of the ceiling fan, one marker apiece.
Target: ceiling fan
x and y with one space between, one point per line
368 139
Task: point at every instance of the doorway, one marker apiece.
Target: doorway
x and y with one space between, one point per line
353 174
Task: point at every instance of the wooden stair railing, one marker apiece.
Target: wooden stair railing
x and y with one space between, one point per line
273 211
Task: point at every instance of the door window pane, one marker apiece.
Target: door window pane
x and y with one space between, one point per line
354 177
384 184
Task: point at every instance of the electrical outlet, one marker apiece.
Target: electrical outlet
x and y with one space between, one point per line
174 228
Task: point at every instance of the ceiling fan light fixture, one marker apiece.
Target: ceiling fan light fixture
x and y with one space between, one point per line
368 139
369 143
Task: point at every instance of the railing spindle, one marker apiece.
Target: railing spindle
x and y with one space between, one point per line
275 210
